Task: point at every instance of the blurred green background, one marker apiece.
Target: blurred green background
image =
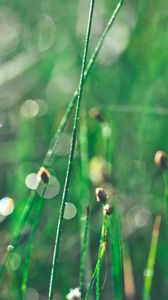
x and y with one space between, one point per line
41 45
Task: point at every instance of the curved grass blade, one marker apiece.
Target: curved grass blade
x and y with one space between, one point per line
70 159
149 272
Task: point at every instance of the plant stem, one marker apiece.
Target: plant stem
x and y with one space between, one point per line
70 159
102 244
85 196
84 159
166 198
151 259
101 252
117 257
83 252
47 159
30 242
27 208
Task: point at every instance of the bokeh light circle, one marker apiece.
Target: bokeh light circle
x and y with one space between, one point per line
70 211
29 109
52 188
32 181
6 206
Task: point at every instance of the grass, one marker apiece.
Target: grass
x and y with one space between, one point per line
48 158
149 272
70 158
96 273
120 144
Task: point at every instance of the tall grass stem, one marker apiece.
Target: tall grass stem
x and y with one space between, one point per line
101 252
30 242
70 159
83 252
149 272
117 256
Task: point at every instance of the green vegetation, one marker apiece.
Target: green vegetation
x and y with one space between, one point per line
83 123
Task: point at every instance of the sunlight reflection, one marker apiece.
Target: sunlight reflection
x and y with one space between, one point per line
6 206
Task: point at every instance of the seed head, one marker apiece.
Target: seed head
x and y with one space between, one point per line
107 210
160 159
96 114
44 175
101 195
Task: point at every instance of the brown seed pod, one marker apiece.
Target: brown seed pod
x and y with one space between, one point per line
44 175
101 195
107 210
160 159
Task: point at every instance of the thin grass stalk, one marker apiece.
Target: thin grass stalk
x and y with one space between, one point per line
166 197
83 252
72 103
101 252
98 282
84 184
70 159
102 245
149 272
30 242
84 160
22 222
117 257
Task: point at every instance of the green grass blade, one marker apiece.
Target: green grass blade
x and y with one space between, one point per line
149 272
102 248
83 252
84 192
117 257
70 159
22 222
39 205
